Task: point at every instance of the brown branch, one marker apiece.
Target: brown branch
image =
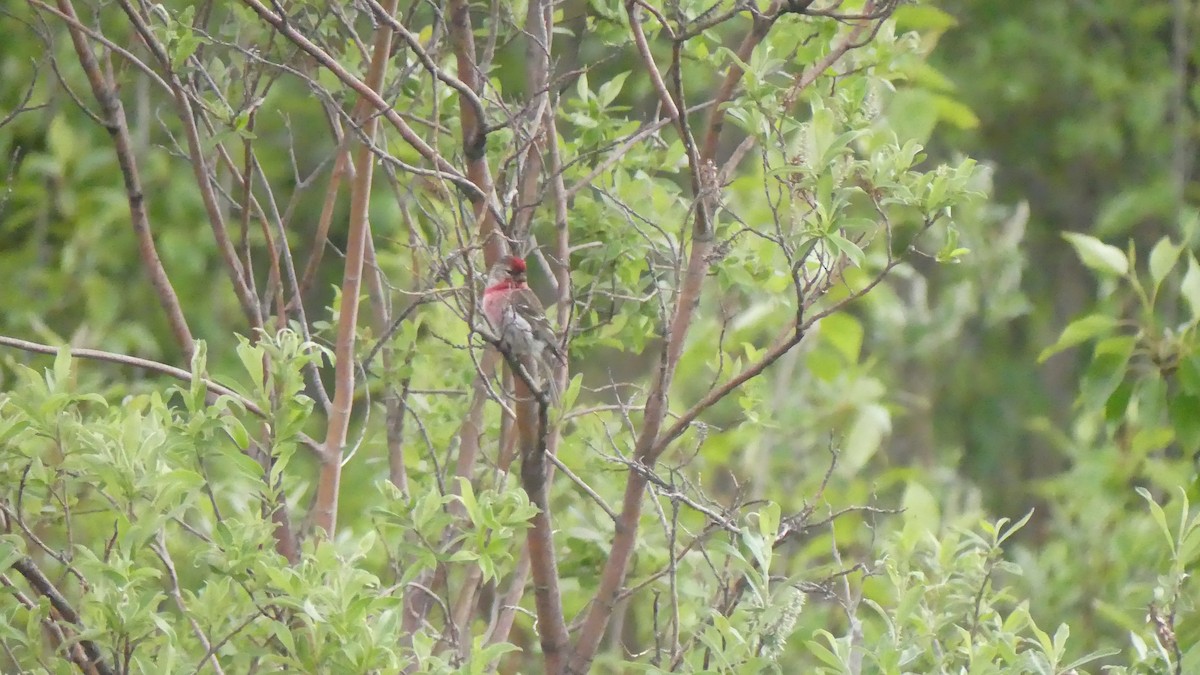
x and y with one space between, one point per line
533 421
73 22
105 91
639 39
159 548
528 169
474 139
502 624
200 169
329 483
320 239
394 394
646 449
532 414
214 388
26 568
716 120
712 397
474 130
372 97
58 637
532 418
465 91
552 629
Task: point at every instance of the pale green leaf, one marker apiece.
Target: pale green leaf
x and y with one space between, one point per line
1160 516
1079 331
1097 255
1162 259
1190 288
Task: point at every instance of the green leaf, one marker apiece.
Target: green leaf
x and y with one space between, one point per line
1097 255
837 146
824 654
759 548
956 112
197 389
1191 660
62 369
1160 517
1079 331
1004 534
12 549
922 18
251 357
610 89
1107 370
1185 416
870 426
572 393
844 333
1188 375
1190 288
1162 258
844 245
768 521
467 497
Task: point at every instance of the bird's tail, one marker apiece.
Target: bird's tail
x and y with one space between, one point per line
553 390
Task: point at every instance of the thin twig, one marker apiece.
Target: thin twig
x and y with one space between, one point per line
153 366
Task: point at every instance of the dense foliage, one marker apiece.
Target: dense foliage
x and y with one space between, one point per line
839 399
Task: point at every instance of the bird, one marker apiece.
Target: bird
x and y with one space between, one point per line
518 318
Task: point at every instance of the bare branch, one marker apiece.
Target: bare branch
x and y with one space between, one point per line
105 91
643 47
371 96
38 580
234 269
329 485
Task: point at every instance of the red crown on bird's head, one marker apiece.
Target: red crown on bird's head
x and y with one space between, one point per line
516 264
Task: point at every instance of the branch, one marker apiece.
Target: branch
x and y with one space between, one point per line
320 239
649 446
153 366
639 39
72 21
38 580
466 93
372 97
474 131
57 637
532 408
474 144
502 623
712 397
329 484
200 169
105 91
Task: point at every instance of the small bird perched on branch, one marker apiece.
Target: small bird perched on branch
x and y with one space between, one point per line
518 318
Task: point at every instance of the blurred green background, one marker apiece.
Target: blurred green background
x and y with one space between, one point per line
1084 116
